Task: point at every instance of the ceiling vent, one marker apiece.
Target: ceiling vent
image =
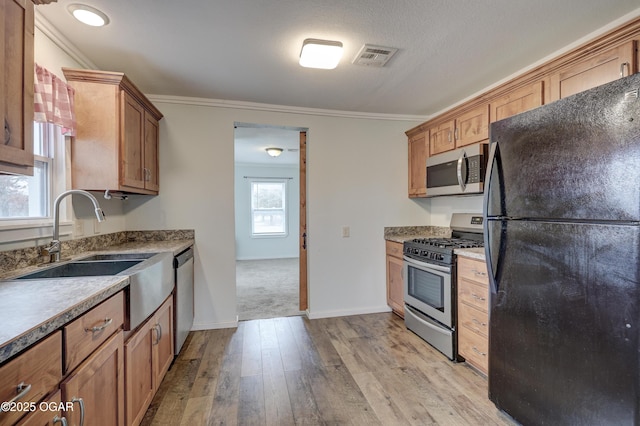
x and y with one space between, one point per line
374 56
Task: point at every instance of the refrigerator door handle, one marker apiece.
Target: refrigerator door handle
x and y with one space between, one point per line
488 250
462 180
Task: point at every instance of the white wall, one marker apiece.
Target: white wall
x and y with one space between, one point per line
441 208
357 177
275 247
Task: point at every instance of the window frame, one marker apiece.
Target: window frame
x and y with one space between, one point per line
20 229
284 209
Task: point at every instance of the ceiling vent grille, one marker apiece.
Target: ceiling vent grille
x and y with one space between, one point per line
374 56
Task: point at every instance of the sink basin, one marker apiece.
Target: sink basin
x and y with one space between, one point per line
151 278
83 269
117 256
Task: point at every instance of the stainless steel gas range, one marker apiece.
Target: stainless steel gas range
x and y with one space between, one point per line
430 282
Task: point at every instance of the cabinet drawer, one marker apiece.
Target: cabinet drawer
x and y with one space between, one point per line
394 249
473 270
86 333
37 372
474 319
45 417
474 348
473 294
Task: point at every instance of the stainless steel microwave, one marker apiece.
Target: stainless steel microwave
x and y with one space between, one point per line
457 172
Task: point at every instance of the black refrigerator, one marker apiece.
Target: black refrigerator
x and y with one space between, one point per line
562 239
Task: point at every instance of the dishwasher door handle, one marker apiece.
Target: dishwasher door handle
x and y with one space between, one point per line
183 258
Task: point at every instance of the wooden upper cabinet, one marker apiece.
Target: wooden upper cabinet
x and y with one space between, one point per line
418 153
518 101
16 86
472 126
151 166
117 142
441 138
594 71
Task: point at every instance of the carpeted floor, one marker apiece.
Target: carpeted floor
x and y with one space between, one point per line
267 288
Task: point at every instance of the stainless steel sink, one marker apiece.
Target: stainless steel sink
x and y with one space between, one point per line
82 269
117 256
151 278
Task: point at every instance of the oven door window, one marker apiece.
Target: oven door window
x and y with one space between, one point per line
426 287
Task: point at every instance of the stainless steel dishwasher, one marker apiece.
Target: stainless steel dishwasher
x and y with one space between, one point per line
183 297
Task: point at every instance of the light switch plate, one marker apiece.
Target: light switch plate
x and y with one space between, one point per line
346 232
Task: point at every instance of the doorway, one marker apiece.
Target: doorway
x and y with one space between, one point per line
270 211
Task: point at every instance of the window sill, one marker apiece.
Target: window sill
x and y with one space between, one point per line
13 233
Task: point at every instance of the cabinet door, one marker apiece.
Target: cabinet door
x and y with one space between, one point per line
139 374
472 126
132 142
16 86
395 285
595 71
518 101
418 153
99 383
441 138
163 340
151 168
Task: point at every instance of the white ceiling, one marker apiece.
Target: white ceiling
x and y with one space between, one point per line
251 142
247 50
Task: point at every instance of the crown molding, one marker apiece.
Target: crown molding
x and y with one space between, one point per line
222 103
62 42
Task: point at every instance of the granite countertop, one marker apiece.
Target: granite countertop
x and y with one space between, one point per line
32 309
473 253
400 234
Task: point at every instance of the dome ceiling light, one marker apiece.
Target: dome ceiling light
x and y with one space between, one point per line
88 15
274 152
323 54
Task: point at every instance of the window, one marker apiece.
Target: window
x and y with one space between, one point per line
29 197
268 208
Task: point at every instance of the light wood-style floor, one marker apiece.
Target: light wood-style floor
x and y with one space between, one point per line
357 370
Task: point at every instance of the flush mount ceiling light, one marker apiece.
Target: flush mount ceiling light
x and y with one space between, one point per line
88 15
274 152
322 54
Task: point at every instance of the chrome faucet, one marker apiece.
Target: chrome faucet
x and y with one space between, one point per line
53 249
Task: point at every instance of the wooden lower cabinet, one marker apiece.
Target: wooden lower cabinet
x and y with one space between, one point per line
148 356
96 387
52 414
473 313
31 376
395 282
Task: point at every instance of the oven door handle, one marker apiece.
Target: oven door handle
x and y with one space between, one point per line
425 265
425 323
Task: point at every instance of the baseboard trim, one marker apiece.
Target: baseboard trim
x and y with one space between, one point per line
347 312
214 325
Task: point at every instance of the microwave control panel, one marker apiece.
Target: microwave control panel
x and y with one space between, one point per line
475 169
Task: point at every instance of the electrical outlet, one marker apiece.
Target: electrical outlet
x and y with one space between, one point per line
96 226
346 232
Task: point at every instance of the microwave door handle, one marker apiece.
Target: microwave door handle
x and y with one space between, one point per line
462 163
